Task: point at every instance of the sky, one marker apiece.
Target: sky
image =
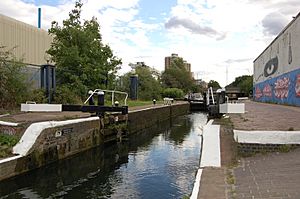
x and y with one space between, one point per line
214 36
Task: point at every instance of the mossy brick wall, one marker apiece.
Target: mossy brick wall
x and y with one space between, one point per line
139 120
250 148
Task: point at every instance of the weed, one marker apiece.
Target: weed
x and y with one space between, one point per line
8 140
285 148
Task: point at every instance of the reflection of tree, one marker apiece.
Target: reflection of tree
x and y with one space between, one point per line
180 130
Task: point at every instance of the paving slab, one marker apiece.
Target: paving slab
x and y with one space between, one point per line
263 116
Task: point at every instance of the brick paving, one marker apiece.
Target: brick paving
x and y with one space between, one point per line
272 175
275 175
263 116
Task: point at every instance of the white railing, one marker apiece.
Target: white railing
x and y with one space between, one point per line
96 91
210 92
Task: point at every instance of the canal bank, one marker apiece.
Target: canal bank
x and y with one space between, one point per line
48 141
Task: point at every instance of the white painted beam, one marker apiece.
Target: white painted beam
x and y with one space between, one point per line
41 107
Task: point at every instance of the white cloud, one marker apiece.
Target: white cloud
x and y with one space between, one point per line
194 27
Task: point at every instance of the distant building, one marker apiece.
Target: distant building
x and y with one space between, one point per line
174 56
276 75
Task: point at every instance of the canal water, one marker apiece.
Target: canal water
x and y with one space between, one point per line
160 162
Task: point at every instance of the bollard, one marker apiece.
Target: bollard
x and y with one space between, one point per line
154 101
100 98
91 100
116 103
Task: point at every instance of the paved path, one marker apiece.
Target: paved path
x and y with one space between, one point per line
274 175
263 116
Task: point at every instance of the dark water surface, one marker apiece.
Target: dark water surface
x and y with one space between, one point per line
158 163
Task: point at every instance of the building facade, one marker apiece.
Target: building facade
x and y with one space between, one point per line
174 56
27 43
276 77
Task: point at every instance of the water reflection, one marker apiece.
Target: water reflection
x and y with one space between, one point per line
158 163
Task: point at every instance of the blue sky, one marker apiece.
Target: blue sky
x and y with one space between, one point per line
210 34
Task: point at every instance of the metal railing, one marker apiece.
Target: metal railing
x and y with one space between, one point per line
96 91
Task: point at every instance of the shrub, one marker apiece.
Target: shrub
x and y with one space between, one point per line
65 95
13 89
173 93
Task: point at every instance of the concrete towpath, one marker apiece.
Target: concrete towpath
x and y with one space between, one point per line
272 175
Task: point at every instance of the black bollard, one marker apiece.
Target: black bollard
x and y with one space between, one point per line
100 98
154 101
91 100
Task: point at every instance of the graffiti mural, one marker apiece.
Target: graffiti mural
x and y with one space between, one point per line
297 86
258 93
271 67
281 89
267 91
284 89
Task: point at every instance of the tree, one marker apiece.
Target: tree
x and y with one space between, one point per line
13 88
178 77
244 82
214 84
149 86
82 61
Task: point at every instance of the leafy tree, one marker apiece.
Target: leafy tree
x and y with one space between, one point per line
178 77
13 89
214 84
173 93
149 86
244 82
82 61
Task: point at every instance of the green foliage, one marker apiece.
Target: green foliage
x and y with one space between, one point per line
65 95
82 61
173 93
214 84
38 96
178 77
149 86
245 83
13 89
8 140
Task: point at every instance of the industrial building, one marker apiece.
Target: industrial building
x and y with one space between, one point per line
27 43
276 77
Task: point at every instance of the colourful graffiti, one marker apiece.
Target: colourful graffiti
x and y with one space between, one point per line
258 93
297 86
281 89
267 91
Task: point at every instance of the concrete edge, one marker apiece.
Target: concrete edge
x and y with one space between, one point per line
210 138
8 123
267 137
196 187
34 130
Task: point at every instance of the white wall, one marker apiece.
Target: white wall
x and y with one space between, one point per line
287 40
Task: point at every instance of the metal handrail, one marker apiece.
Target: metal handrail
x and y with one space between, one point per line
112 96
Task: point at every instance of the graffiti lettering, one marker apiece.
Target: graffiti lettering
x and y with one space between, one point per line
282 87
267 91
297 86
271 67
258 93
8 130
